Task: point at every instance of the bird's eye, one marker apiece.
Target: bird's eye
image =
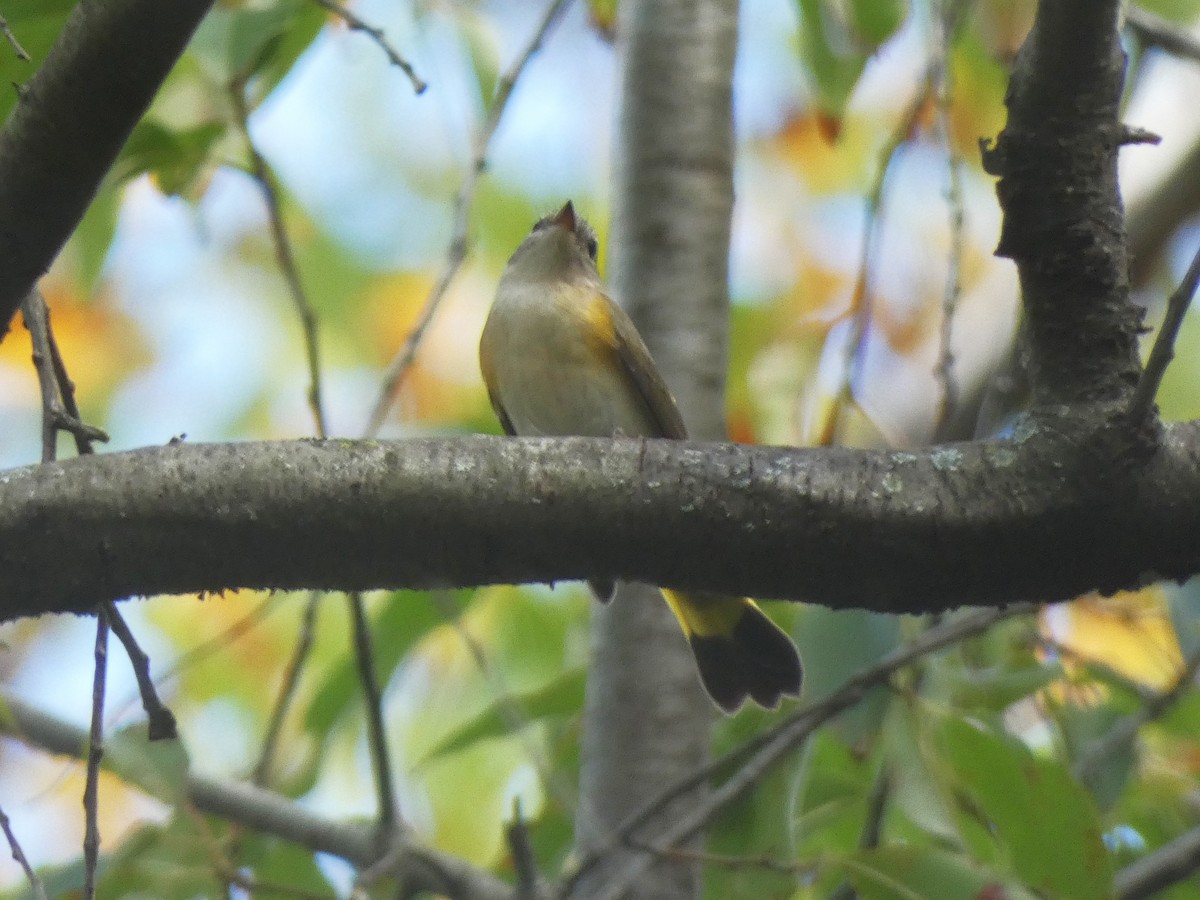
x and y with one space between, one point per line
592 247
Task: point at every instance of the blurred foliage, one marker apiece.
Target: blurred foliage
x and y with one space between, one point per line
172 316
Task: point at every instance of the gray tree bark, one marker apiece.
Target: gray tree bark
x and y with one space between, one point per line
646 718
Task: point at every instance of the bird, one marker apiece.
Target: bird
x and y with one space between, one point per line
560 358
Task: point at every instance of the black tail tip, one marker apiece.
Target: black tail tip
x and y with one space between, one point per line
756 661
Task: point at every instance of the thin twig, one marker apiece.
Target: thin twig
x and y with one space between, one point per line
36 319
287 692
1122 734
267 812
218 642
91 801
759 754
354 23
1168 865
381 763
161 721
726 861
85 435
514 716
861 300
207 648
516 833
286 259
284 255
1164 343
395 373
7 31
59 411
457 252
1155 31
257 887
947 22
35 883
229 873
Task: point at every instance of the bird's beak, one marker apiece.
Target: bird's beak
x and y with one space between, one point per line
566 217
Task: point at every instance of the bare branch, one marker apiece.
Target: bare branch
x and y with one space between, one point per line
381 760
287 692
1063 219
757 756
36 317
355 23
946 19
1123 733
516 833
1167 865
509 709
426 869
861 301
95 753
162 721
1157 215
285 257
22 55
1155 31
35 883
59 410
403 360
1044 516
1164 343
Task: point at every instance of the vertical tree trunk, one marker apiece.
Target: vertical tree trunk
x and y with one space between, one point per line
647 719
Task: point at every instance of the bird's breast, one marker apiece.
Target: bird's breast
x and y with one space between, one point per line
553 367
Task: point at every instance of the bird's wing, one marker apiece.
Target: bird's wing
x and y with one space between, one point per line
505 421
630 350
489 380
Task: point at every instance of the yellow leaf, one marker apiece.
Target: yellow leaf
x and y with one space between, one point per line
1130 632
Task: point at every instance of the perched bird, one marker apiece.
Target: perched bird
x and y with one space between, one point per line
560 358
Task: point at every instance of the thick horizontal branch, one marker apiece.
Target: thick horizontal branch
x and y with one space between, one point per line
1039 518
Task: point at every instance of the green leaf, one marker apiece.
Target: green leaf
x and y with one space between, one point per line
834 64
923 873
174 157
35 24
1044 819
920 801
277 862
1182 11
157 767
561 697
875 21
169 860
93 236
834 646
998 687
235 43
1083 727
404 619
480 40
303 26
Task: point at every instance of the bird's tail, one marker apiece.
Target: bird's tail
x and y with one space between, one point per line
739 651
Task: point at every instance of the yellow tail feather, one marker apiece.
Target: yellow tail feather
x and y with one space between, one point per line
739 652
